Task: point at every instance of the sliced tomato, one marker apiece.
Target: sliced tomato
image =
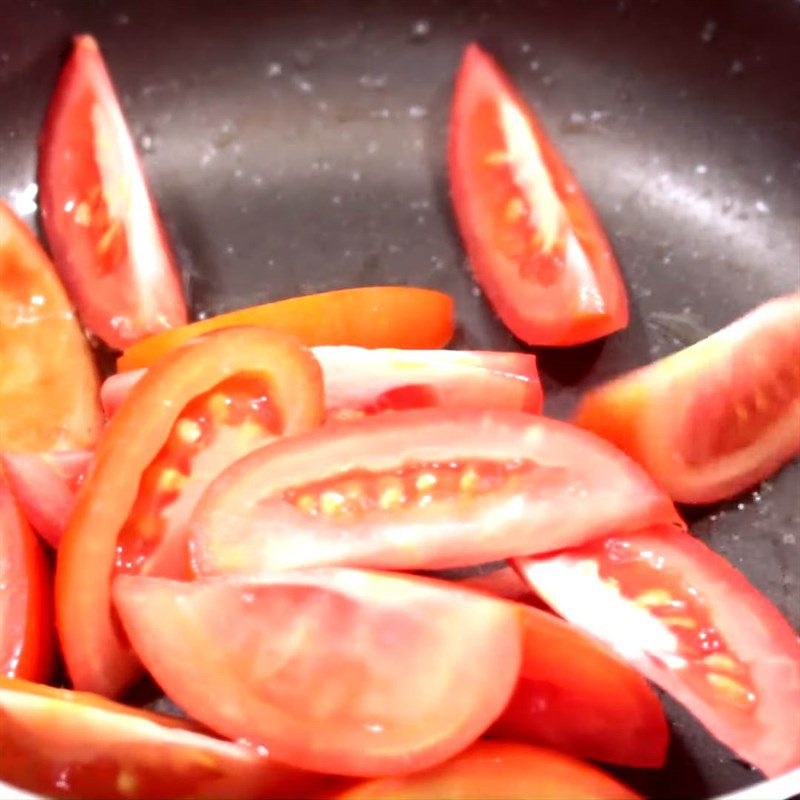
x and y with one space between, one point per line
103 229
534 242
370 381
578 697
373 316
422 489
489 770
59 743
194 413
335 670
48 383
26 619
359 381
44 485
717 417
692 624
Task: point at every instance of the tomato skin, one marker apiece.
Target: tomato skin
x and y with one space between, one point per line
44 486
559 284
371 381
101 224
96 656
48 382
26 632
576 696
371 316
330 668
59 743
491 769
547 486
728 621
660 413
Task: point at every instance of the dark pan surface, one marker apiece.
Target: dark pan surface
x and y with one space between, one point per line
297 147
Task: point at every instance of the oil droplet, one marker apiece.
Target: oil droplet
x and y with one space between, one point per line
274 69
736 67
709 31
417 112
373 81
420 30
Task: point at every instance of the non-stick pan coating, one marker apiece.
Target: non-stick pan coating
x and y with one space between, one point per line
299 146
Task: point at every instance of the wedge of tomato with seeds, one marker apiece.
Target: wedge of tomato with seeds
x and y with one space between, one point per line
576 696
59 743
200 409
489 770
713 419
692 624
44 485
534 242
26 614
421 489
334 670
48 382
370 316
101 224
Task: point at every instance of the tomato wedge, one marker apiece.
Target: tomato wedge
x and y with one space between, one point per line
44 486
576 696
48 383
198 410
422 489
59 743
717 417
335 670
103 229
26 625
490 770
373 316
359 381
534 242
370 381
692 624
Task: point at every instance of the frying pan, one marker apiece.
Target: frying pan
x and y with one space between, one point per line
295 147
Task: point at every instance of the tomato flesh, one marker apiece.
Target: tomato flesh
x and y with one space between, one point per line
717 417
200 409
534 242
59 743
370 316
692 624
44 486
48 385
422 489
576 696
329 668
26 626
489 770
100 221
214 430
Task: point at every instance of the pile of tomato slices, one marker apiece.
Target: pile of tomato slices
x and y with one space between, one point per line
262 513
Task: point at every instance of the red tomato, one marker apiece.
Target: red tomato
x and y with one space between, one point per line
717 417
576 696
424 489
535 244
491 770
369 381
102 226
360 381
26 626
44 486
368 316
59 743
196 411
48 383
335 670
692 624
